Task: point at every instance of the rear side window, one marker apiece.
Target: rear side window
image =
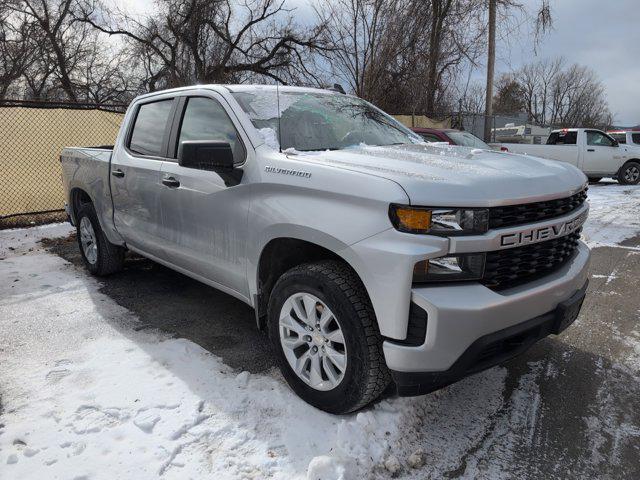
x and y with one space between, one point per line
635 138
562 138
148 130
206 119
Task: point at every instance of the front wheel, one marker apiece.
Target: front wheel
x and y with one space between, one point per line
629 174
100 256
326 338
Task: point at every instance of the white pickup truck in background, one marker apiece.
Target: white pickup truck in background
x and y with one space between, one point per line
592 151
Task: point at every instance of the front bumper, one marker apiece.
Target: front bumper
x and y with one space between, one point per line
460 315
493 349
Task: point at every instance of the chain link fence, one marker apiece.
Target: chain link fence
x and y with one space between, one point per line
32 136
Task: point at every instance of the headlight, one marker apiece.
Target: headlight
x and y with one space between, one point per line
469 266
439 221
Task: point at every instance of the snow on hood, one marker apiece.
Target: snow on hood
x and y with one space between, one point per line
444 175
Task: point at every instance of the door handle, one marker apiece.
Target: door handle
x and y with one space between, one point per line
171 182
591 149
117 173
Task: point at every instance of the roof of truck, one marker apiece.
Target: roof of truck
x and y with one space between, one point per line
243 88
273 88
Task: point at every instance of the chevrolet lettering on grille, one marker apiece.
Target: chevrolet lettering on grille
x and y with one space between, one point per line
540 234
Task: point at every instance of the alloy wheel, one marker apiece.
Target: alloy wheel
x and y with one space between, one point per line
88 240
312 341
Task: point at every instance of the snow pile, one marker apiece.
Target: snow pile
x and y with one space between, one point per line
264 106
614 214
270 137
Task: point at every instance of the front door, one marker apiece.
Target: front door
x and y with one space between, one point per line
600 152
204 214
135 176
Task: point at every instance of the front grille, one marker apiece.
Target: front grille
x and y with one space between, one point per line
534 212
508 268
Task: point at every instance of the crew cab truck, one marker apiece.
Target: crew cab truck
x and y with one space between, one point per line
594 152
369 256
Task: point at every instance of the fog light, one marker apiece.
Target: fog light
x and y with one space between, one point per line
451 268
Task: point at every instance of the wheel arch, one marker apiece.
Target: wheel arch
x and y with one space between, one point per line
280 254
78 197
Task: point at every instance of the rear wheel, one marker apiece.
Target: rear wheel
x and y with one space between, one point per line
100 256
629 174
325 336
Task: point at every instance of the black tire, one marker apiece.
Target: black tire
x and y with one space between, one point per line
632 168
366 375
594 179
110 257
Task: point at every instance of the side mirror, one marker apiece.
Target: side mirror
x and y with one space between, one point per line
206 155
616 142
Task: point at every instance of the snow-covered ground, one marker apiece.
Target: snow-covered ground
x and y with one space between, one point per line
86 396
614 215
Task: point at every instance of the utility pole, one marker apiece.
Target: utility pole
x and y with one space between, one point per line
491 61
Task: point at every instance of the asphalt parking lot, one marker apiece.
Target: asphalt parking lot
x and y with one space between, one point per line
581 417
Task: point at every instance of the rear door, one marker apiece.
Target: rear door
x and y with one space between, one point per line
204 214
599 154
135 175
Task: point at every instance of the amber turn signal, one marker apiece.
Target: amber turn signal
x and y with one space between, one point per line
410 219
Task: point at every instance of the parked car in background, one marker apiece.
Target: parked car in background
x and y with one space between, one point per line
592 151
626 137
452 137
367 255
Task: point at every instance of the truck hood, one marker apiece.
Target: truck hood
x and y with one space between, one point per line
455 176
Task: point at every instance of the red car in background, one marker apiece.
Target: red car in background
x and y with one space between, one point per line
452 137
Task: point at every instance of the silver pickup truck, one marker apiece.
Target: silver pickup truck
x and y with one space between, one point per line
369 256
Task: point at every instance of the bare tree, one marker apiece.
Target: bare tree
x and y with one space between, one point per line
403 55
356 30
55 24
536 81
16 47
564 96
542 22
204 41
473 99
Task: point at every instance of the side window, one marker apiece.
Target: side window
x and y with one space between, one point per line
563 138
205 119
430 137
635 138
148 130
598 139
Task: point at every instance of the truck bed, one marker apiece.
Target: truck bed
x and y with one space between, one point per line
561 153
88 168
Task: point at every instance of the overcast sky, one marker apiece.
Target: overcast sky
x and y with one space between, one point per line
603 35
